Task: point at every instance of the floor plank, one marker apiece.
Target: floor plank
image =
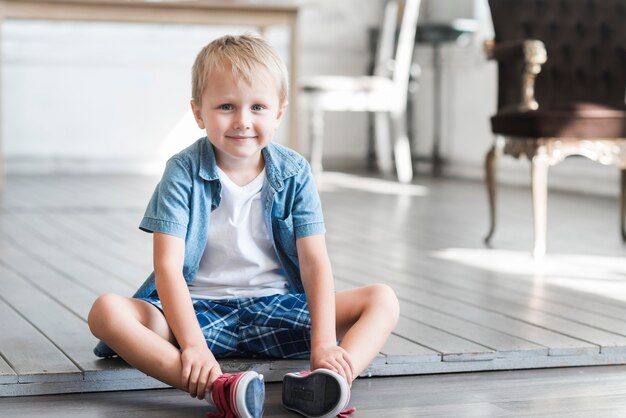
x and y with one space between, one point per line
60 259
557 343
96 257
53 320
74 295
506 345
24 347
400 350
7 374
514 306
452 347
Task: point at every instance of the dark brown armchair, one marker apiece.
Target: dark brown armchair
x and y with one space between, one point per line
561 90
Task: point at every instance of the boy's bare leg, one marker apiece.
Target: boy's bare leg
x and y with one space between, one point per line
365 318
138 332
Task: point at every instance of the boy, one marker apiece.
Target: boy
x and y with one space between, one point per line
240 261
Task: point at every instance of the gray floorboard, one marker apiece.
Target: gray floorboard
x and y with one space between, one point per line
30 353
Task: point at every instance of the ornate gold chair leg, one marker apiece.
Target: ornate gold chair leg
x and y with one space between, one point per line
539 185
490 181
622 200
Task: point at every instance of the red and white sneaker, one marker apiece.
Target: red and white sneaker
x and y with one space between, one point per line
321 393
240 395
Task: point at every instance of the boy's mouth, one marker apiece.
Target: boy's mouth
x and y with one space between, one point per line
241 137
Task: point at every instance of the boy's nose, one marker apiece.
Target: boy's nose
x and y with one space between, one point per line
242 121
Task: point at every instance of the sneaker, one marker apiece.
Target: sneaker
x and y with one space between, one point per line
240 395
321 393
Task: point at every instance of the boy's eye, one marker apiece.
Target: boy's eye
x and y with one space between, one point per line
257 108
226 107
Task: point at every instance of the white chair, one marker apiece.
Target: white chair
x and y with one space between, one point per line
384 93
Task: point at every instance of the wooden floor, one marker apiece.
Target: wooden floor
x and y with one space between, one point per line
66 239
575 392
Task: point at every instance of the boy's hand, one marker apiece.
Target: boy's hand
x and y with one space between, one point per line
200 369
334 358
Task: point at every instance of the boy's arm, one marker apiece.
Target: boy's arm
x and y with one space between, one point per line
199 367
317 279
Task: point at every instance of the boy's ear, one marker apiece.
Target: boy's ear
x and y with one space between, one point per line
281 111
197 114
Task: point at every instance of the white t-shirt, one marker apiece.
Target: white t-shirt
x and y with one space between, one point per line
239 260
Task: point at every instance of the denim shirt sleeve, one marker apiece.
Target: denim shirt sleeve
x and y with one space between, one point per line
306 212
168 209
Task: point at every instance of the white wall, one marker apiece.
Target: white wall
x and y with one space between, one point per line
114 97
98 97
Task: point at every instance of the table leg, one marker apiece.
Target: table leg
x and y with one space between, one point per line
2 163
293 140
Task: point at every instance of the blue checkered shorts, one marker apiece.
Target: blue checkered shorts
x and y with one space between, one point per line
270 326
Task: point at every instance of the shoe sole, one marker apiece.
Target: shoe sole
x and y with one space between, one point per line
319 394
249 402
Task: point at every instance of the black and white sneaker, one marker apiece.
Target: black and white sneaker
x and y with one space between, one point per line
321 393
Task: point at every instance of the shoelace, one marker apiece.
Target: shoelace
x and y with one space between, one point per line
220 393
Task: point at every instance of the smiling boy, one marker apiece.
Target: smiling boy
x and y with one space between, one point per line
240 260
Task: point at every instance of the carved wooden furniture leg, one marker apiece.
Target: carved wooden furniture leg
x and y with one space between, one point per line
401 147
490 180
539 185
622 200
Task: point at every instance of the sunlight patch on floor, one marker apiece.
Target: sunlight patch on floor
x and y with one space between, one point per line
333 181
600 275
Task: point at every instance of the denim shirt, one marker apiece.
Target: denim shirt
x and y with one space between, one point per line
190 190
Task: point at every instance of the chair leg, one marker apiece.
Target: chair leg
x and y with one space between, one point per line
401 147
490 180
623 204
539 185
382 141
316 135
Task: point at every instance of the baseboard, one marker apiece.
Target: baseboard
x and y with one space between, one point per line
64 165
580 176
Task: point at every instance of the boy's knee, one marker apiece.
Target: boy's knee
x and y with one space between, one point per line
102 313
383 296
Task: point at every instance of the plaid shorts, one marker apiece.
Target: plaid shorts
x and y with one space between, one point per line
270 326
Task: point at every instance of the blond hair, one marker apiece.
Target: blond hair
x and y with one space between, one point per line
245 54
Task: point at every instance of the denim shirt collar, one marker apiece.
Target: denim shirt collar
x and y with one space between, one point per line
208 164
279 166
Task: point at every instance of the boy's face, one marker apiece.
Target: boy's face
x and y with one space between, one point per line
239 117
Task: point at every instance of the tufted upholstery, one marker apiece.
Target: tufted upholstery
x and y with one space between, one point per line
581 87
